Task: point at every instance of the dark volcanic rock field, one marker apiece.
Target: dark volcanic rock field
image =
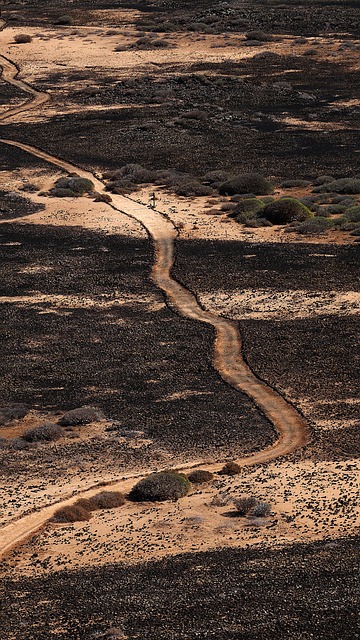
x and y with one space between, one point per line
302 591
125 358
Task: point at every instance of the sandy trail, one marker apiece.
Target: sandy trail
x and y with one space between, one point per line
228 359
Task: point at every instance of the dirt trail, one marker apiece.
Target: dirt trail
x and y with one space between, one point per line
9 74
228 359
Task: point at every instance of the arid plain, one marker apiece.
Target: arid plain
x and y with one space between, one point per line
198 331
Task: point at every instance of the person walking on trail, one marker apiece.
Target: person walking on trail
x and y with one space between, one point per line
152 200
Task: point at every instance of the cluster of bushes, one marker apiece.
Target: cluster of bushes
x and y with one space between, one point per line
72 187
81 510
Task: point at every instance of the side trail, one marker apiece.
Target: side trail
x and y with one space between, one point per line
227 359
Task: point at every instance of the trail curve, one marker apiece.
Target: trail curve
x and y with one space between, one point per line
228 359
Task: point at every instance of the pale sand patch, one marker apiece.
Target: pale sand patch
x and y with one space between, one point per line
151 302
269 304
309 501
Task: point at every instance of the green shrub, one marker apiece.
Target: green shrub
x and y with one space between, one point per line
256 223
290 184
246 183
286 210
46 432
166 485
56 192
314 226
192 189
76 184
333 209
200 476
71 513
230 469
353 213
248 207
343 185
323 180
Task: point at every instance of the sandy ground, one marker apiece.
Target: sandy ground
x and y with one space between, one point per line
309 502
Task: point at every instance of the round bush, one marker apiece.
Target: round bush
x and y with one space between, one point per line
107 500
71 513
46 432
246 183
286 210
192 189
244 505
200 476
161 486
76 184
64 21
22 38
247 208
230 469
83 415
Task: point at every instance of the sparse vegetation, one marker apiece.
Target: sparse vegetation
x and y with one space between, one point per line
343 186
244 505
72 186
71 513
83 415
166 485
46 432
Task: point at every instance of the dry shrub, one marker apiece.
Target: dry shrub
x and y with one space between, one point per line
106 500
244 505
71 513
46 432
221 500
22 38
261 510
83 415
230 469
200 476
15 412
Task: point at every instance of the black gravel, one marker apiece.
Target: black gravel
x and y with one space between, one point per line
301 591
126 359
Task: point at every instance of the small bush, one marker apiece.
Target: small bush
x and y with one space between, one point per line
323 180
83 415
256 223
71 513
221 500
62 193
22 38
76 184
230 469
260 36
343 186
215 178
14 412
46 432
261 510
332 209
348 201
102 197
244 505
315 226
246 209
353 213
290 184
200 476
64 21
161 486
192 189
106 500
286 210
246 183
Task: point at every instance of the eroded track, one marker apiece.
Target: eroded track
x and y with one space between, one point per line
227 358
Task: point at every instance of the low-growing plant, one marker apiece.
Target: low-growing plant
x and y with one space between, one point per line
230 468
314 226
192 188
106 500
244 505
83 415
246 183
261 510
46 432
200 476
290 184
75 184
343 186
166 485
22 38
353 213
323 180
286 210
14 412
71 513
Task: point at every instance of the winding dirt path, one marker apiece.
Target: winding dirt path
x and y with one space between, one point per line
228 359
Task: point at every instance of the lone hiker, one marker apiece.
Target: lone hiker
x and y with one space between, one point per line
152 200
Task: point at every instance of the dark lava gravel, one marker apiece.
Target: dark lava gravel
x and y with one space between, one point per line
302 591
